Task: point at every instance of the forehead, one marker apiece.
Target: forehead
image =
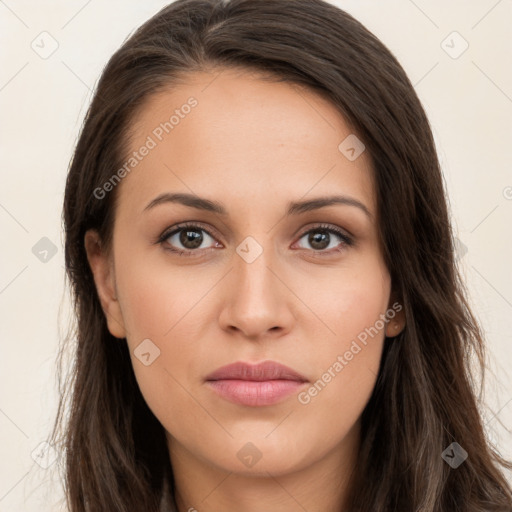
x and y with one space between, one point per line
233 133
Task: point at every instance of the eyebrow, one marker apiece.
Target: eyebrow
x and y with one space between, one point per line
294 208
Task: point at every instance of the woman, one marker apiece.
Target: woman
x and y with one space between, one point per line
269 312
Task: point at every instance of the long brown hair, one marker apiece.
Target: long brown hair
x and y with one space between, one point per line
425 397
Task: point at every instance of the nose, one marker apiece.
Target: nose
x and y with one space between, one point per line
258 302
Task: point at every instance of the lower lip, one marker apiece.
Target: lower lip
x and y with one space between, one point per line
255 393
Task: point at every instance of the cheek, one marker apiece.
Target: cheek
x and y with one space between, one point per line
157 298
347 355
159 307
164 305
350 305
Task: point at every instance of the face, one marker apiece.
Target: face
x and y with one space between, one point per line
256 278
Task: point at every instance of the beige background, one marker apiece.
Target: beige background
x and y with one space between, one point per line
42 101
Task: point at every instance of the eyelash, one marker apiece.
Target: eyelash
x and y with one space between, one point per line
346 240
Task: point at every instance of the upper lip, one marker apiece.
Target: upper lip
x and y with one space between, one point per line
267 370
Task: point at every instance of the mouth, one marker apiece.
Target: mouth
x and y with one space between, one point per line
260 384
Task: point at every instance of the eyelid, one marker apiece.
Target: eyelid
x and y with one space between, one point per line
183 225
326 226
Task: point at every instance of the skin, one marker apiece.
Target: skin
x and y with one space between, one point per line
253 145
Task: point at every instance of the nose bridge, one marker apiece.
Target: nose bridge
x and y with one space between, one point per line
257 299
253 258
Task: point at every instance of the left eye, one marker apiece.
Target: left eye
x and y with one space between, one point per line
320 239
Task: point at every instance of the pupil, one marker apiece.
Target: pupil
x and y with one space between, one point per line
191 239
318 239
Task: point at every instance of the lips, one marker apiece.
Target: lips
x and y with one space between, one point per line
268 370
260 384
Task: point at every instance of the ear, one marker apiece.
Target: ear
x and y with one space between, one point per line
396 315
104 277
